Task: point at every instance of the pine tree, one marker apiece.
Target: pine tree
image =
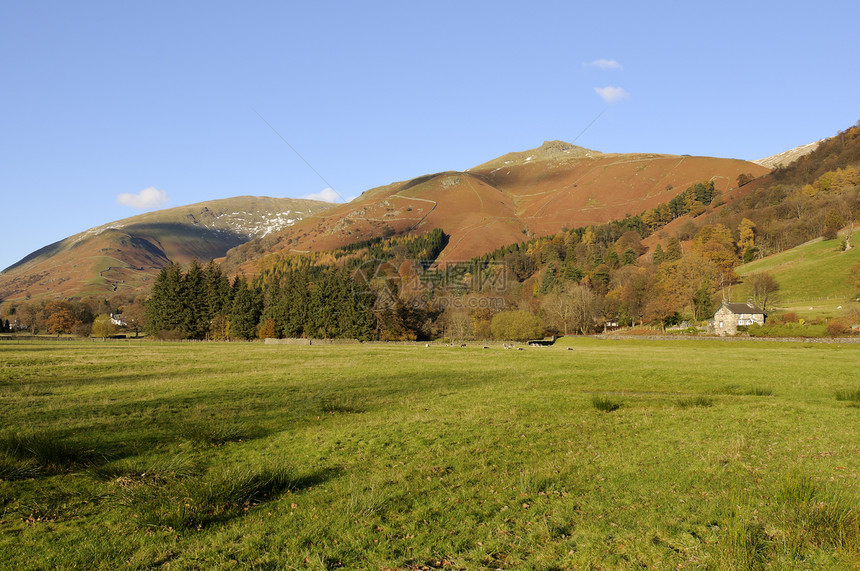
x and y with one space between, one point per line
164 308
195 319
246 309
548 279
673 250
217 290
658 255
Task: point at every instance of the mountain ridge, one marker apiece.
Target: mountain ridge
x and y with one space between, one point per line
128 252
501 201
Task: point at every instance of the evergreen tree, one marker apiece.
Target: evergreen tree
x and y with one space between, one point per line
217 290
659 255
628 257
164 308
548 280
195 315
246 309
673 250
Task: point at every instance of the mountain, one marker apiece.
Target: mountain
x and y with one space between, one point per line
505 200
787 157
127 254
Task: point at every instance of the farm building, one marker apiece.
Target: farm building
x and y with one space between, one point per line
729 316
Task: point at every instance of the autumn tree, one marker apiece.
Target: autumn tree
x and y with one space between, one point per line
517 325
744 178
690 283
59 318
103 326
134 315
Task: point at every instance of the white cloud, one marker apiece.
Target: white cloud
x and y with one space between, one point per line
326 195
612 94
604 64
146 199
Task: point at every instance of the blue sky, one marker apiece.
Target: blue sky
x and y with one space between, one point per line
112 108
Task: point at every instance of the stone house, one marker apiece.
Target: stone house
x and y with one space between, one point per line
729 316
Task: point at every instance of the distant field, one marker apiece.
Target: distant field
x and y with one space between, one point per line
613 455
812 275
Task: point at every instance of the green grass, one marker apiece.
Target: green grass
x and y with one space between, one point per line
814 275
699 401
850 395
192 455
605 404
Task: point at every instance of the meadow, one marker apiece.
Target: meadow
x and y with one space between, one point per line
622 454
814 278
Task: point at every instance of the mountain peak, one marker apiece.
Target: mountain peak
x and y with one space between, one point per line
551 149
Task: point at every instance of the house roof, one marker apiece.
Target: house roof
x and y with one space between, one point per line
742 308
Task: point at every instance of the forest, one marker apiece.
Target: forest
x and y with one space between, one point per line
670 264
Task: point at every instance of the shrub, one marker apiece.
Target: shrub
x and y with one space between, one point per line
837 328
604 404
516 325
170 335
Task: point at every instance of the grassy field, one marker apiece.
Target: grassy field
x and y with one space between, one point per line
614 455
813 278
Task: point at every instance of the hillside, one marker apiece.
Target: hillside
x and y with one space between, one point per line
813 277
785 158
127 254
506 200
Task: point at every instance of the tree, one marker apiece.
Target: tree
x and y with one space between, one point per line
517 325
194 321
458 323
658 255
746 234
103 326
548 280
164 310
762 287
59 318
833 221
673 250
134 315
267 329
246 310
573 309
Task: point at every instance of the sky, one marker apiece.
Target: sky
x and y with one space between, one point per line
111 109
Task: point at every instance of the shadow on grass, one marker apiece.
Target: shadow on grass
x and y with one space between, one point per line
35 454
217 433
737 390
217 497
